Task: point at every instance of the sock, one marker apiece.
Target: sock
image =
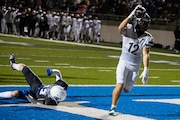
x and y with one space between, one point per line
6 94
113 106
97 39
16 66
57 73
65 36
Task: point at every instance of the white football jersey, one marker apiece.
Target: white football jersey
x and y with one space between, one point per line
132 47
97 24
80 23
74 23
44 91
66 20
86 24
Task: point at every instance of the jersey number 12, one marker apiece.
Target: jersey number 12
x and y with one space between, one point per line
133 48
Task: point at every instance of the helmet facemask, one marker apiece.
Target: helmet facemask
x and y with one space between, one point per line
141 21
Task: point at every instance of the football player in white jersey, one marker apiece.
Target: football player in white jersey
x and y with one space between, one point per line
80 26
38 93
74 28
54 19
67 22
97 28
91 28
86 29
135 49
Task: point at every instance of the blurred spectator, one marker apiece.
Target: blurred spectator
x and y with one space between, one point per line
15 13
8 2
33 19
64 5
43 28
160 4
151 8
49 4
23 22
9 20
2 3
177 38
3 21
93 6
103 7
122 8
38 4
73 5
1 17
83 7
164 9
31 4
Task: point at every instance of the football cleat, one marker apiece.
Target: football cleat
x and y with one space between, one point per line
49 72
112 111
12 60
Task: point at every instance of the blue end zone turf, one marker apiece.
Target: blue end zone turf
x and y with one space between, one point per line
155 102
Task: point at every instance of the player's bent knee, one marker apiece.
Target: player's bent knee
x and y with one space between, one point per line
21 66
15 93
125 90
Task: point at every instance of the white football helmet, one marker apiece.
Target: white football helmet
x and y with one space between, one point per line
57 93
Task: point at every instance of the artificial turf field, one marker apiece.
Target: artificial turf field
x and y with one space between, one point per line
88 64
79 63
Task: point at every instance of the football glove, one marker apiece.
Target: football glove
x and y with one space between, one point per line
144 75
133 12
49 72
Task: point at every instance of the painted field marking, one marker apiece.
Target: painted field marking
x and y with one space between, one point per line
105 70
23 58
175 80
41 61
74 107
80 67
165 62
85 111
89 45
16 43
171 101
153 77
61 64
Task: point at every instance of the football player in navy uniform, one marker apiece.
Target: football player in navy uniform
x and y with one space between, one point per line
136 43
38 93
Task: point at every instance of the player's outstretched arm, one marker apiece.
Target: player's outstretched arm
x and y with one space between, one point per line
56 72
144 74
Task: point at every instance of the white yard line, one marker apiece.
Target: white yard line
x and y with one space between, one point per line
80 67
175 101
175 81
89 45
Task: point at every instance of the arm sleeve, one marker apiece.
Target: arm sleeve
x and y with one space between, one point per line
57 73
150 42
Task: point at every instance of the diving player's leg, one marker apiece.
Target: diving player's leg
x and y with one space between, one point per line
32 79
7 94
14 65
16 93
